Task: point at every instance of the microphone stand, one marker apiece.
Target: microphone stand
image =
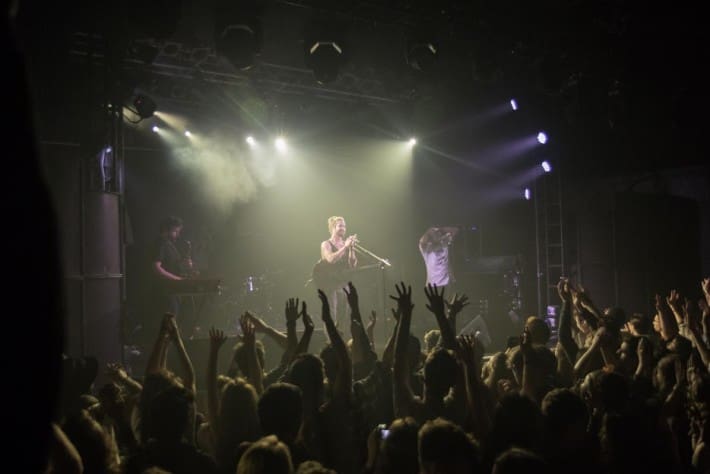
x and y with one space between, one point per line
384 263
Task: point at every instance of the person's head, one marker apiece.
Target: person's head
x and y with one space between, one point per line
239 420
445 448
431 339
565 416
313 467
398 451
266 456
170 227
539 330
628 356
497 367
241 356
614 319
517 421
640 325
307 373
440 371
336 226
585 322
165 417
519 461
280 411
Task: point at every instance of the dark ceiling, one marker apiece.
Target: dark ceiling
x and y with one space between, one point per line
618 83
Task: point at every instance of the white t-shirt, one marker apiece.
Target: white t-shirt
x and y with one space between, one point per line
437 266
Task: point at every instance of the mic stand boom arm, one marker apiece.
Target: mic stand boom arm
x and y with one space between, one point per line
383 261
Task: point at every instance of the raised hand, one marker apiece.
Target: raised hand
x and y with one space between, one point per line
437 303
371 321
171 326
403 299
291 312
351 293
325 306
217 338
259 324
563 289
705 285
456 304
248 334
673 300
306 318
116 372
526 341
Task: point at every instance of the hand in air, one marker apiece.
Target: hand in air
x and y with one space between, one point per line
292 310
217 338
259 324
306 318
437 304
325 306
248 334
403 299
351 293
456 304
372 321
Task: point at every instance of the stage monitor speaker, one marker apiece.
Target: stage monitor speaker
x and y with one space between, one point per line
478 327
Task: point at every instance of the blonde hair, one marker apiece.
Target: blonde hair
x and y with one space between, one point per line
331 222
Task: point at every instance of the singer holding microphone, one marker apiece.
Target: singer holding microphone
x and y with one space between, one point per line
337 256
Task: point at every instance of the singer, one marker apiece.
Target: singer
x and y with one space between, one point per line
337 256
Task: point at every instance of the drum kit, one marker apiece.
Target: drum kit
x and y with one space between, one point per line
253 293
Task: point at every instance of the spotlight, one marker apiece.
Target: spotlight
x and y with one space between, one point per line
542 138
155 129
527 194
412 141
324 57
422 55
280 144
145 106
546 166
187 133
251 141
238 33
513 104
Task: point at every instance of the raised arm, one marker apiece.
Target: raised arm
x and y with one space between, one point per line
261 326
155 360
437 306
669 327
370 329
466 352
217 338
291 314
454 307
255 375
343 379
308 328
388 352
362 351
403 395
564 332
188 372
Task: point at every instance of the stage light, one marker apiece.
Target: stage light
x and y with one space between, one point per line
187 133
280 144
144 105
546 166
527 194
324 57
513 104
542 138
422 55
238 32
251 141
412 141
155 129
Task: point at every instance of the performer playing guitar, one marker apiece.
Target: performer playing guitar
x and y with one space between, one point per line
337 257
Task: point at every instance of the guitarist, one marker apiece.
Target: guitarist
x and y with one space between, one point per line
337 254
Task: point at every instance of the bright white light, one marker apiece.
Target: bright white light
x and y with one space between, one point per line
513 104
280 144
412 141
542 137
527 194
546 166
187 133
251 141
155 129
109 149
